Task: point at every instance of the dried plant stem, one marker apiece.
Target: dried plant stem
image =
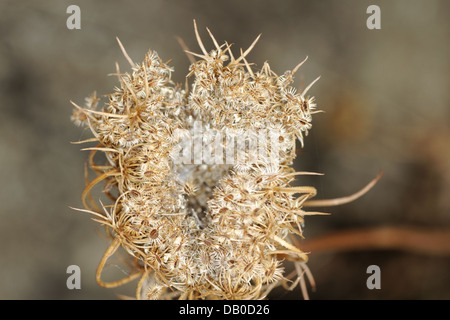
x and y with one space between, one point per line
291 249
417 240
108 253
343 200
100 178
141 282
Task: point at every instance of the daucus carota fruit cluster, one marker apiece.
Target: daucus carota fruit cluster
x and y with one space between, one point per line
220 230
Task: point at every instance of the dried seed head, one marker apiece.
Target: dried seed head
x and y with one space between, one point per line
201 230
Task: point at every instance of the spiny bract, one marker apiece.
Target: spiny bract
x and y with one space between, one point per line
200 230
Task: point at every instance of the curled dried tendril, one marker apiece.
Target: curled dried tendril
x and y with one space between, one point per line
197 231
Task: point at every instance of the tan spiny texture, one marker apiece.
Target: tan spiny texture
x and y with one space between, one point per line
219 231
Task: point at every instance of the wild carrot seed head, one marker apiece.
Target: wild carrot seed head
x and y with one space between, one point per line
201 230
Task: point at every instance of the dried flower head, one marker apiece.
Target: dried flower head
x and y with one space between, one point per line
201 230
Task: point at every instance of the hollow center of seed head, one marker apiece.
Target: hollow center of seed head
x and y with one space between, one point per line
199 183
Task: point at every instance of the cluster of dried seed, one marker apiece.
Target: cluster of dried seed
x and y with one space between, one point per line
200 230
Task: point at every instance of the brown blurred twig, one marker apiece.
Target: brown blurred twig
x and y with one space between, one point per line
417 240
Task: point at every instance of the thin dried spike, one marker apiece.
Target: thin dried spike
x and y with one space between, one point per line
298 231
108 215
85 141
417 240
270 71
108 253
289 246
300 273
85 111
249 49
185 49
101 168
309 87
77 106
117 73
113 216
248 67
103 222
310 276
132 64
287 279
299 65
102 149
302 189
315 213
94 182
131 90
294 284
140 284
197 55
343 200
305 173
186 88
98 112
147 93
266 68
118 70
92 165
285 252
231 53
89 211
86 182
273 73
214 40
304 289
199 40
93 131
112 115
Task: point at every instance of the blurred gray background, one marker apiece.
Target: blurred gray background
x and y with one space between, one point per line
385 94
